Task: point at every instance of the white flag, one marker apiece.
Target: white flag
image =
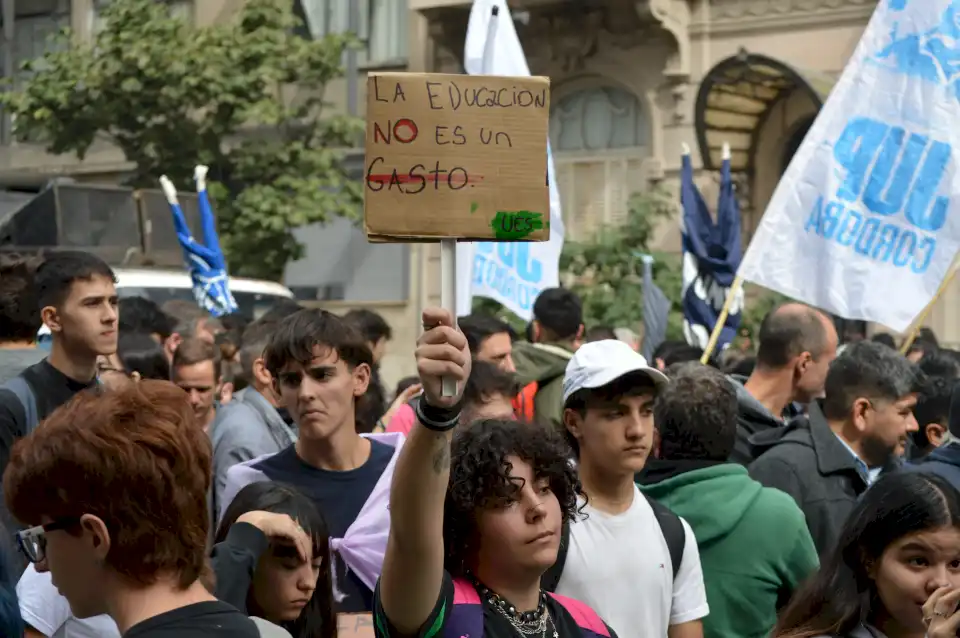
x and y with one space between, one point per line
861 224
512 273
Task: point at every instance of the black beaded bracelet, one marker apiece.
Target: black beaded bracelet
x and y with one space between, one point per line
434 418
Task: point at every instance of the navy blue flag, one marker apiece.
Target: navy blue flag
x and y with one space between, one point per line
711 256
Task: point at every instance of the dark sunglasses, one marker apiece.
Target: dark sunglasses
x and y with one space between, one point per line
33 541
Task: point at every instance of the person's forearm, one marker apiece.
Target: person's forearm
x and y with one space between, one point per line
413 565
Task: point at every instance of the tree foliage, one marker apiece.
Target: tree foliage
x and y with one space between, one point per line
607 272
244 97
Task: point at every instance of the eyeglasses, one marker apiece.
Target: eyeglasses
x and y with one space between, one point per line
33 541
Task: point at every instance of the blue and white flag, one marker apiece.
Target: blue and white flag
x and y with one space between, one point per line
205 262
512 273
711 255
860 223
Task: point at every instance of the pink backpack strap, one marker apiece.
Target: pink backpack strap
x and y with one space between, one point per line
465 620
587 619
464 593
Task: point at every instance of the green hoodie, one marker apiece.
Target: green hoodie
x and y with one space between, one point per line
753 540
545 364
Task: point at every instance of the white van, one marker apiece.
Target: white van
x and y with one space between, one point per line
254 296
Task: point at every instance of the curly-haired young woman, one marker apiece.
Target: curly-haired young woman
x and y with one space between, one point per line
475 524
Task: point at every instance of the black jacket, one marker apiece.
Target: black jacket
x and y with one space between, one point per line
944 461
752 418
806 460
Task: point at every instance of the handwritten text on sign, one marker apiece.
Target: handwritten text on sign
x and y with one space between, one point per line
456 156
354 626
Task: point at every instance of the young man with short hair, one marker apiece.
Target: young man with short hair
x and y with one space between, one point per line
320 366
932 413
252 424
755 548
553 336
77 301
196 371
19 316
632 560
123 462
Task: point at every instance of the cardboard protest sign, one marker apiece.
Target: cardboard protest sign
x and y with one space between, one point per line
456 156
354 625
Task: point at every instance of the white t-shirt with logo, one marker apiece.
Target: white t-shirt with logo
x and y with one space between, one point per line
620 566
44 609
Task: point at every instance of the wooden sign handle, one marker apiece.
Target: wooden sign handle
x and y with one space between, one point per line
448 298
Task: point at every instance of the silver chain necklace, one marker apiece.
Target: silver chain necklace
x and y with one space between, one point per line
527 624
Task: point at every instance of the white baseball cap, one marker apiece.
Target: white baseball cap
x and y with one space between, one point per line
596 364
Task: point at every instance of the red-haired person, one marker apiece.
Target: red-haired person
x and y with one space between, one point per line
124 531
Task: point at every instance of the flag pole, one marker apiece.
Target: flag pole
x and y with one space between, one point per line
922 317
722 319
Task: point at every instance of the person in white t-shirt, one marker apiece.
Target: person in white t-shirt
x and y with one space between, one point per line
47 613
618 559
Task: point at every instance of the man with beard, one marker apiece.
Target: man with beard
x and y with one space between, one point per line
859 429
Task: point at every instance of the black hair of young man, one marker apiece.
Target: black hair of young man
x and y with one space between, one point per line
559 312
60 269
696 415
478 327
296 336
939 363
487 379
19 308
868 370
142 315
371 325
933 406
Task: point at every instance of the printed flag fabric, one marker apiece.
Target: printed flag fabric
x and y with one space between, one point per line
711 255
512 273
860 224
656 311
205 262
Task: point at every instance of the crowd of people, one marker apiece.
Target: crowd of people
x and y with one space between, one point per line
170 474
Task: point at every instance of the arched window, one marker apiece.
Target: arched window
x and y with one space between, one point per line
599 137
597 119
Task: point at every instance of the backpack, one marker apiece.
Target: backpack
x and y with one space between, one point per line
670 526
22 389
466 617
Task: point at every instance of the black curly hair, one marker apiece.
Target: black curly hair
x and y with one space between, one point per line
480 477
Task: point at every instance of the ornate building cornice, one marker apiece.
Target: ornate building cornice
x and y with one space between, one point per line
750 15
